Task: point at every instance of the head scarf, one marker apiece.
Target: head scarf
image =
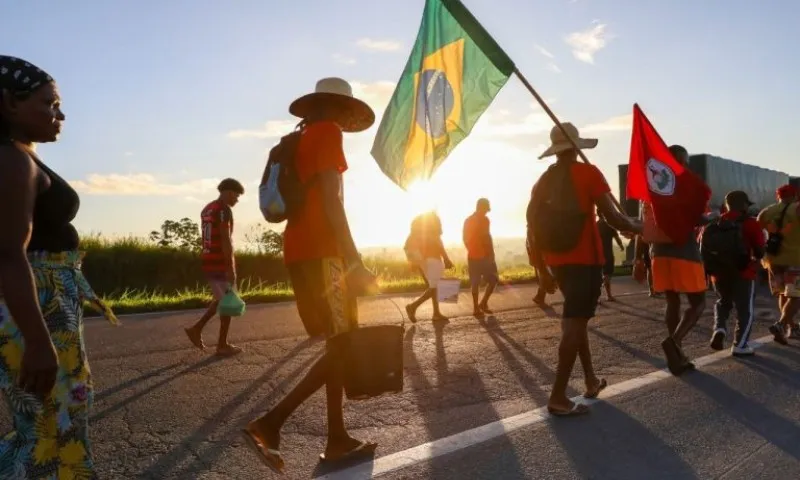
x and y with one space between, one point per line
21 77
786 192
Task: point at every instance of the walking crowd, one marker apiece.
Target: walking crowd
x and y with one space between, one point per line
572 222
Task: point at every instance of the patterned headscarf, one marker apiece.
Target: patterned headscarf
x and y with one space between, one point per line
21 77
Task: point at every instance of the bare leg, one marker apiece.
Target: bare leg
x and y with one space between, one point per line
585 355
672 315
697 303
195 332
487 294
607 286
476 290
223 347
437 314
571 338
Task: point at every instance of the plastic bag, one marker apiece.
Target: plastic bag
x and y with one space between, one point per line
231 304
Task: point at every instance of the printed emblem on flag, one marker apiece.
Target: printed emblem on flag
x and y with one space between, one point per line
660 178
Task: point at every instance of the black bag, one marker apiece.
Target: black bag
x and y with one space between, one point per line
775 239
555 219
281 193
372 360
723 248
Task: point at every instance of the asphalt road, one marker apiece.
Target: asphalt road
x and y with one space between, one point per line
166 410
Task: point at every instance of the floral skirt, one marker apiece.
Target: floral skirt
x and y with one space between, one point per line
51 437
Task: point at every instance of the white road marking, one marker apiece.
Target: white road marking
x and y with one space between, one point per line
459 441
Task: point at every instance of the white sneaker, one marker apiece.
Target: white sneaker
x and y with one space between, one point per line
746 351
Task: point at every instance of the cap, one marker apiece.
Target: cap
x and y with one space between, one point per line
738 197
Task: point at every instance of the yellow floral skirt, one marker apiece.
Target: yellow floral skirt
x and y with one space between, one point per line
51 437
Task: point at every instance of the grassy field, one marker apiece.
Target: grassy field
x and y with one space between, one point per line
134 276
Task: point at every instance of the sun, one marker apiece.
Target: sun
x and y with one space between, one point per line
421 197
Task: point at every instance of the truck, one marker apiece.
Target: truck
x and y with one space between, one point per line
722 176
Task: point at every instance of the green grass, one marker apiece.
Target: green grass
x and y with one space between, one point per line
142 301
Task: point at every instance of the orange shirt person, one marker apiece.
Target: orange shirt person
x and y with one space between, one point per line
480 256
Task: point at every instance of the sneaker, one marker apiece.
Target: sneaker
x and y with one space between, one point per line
746 351
779 332
718 339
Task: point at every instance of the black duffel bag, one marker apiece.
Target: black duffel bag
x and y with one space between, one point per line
371 360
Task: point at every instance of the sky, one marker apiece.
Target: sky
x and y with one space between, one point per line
164 99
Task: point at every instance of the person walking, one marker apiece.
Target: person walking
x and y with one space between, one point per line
607 236
735 282
44 369
481 262
564 239
218 262
324 265
426 252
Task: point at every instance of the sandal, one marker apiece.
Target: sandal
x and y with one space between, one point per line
594 394
270 457
577 409
363 449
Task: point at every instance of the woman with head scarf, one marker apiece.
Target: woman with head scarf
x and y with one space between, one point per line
44 373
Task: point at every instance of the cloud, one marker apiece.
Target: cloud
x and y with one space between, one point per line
128 154
379 45
376 94
271 129
614 124
343 59
544 51
553 67
140 184
587 43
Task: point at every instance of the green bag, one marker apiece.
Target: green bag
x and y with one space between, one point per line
231 304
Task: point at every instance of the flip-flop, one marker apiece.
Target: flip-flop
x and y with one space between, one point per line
577 409
269 456
412 314
600 387
363 449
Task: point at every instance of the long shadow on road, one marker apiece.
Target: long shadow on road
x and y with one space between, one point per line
193 445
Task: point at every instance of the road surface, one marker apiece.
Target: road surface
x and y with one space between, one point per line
472 401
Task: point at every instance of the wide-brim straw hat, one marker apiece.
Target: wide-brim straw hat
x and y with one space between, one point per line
560 143
352 114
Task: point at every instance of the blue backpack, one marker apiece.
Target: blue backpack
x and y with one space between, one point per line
281 193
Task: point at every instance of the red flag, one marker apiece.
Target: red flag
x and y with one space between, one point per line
678 196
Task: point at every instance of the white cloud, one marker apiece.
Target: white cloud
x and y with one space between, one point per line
139 184
343 59
271 129
553 67
128 154
379 45
376 94
587 43
544 51
614 124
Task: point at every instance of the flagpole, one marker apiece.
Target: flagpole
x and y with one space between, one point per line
560 126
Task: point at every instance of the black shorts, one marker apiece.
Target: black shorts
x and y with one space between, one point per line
580 285
325 306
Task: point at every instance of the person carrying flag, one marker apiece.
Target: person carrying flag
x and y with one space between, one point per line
676 269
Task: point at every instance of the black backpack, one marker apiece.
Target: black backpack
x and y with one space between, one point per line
775 239
281 193
723 248
555 219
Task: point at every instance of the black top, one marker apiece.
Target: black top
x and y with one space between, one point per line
55 208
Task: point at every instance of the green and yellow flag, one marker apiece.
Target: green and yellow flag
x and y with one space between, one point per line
453 73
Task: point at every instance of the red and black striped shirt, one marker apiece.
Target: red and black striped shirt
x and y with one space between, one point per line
215 217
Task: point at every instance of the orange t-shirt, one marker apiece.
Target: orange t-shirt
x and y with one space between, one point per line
309 234
476 236
590 185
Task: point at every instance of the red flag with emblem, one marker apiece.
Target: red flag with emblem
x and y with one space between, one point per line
678 196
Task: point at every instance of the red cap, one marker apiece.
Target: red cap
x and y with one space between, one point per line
786 192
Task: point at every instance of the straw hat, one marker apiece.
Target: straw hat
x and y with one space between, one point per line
352 114
560 143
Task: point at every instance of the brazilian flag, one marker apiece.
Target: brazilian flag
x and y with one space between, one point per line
453 73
